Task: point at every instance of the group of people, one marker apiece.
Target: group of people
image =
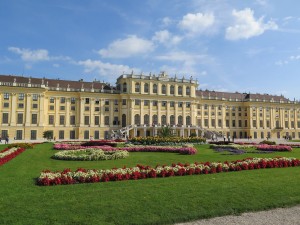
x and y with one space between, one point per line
6 139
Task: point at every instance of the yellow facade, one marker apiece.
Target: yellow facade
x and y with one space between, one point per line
139 105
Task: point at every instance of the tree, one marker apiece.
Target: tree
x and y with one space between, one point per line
166 132
48 134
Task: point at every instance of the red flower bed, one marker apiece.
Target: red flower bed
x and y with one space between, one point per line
278 148
4 158
81 175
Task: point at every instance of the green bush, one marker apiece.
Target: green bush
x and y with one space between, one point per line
265 142
20 145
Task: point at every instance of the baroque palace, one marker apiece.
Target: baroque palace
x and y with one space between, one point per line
138 105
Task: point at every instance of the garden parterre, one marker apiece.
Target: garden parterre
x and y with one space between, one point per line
81 175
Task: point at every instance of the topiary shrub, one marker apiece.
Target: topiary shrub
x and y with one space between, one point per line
265 142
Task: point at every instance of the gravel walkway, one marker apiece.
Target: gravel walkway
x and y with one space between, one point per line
280 216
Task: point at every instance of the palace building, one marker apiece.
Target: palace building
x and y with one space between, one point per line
138 105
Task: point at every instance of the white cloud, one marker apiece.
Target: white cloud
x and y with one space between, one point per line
107 70
197 23
261 2
130 46
166 21
31 55
246 26
166 38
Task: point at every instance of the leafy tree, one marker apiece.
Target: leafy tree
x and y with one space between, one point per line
48 134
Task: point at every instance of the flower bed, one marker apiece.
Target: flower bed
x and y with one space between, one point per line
168 140
277 148
90 155
9 153
180 150
112 143
66 176
232 146
292 145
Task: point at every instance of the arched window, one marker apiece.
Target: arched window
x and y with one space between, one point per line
172 120
154 88
188 120
163 120
137 87
163 89
137 119
180 120
125 87
172 90
188 91
179 90
146 119
154 119
146 88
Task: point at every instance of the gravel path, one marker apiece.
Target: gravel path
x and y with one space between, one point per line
280 216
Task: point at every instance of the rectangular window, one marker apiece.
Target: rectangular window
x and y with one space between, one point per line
4 133
19 135
73 107
116 102
51 107
213 122
61 134
180 104
188 104
73 100
34 106
87 100
268 123
292 124
51 100
35 97
298 124
97 101
5 118
86 134
254 123
51 119
62 107
61 120
72 120
21 96
5 105
219 123
72 134
123 101
164 103
154 103
62 100
106 102
146 102
137 102
33 118
20 118
240 123
97 120
20 105
233 123
106 109
206 122
115 121
97 109
286 124
33 134
172 104
106 120
6 96
96 135
86 120
86 108
246 123
227 123
261 123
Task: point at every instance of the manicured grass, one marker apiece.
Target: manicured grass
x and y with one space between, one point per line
150 201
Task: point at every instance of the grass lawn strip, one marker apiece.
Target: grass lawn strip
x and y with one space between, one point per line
148 201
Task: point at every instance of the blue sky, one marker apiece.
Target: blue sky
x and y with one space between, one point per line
246 46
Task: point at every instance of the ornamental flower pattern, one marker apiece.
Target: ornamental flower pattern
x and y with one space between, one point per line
180 150
9 153
81 175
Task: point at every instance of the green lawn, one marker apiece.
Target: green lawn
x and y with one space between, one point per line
149 201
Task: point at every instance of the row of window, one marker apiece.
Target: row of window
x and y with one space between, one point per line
163 103
146 88
137 120
86 101
62 120
21 96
